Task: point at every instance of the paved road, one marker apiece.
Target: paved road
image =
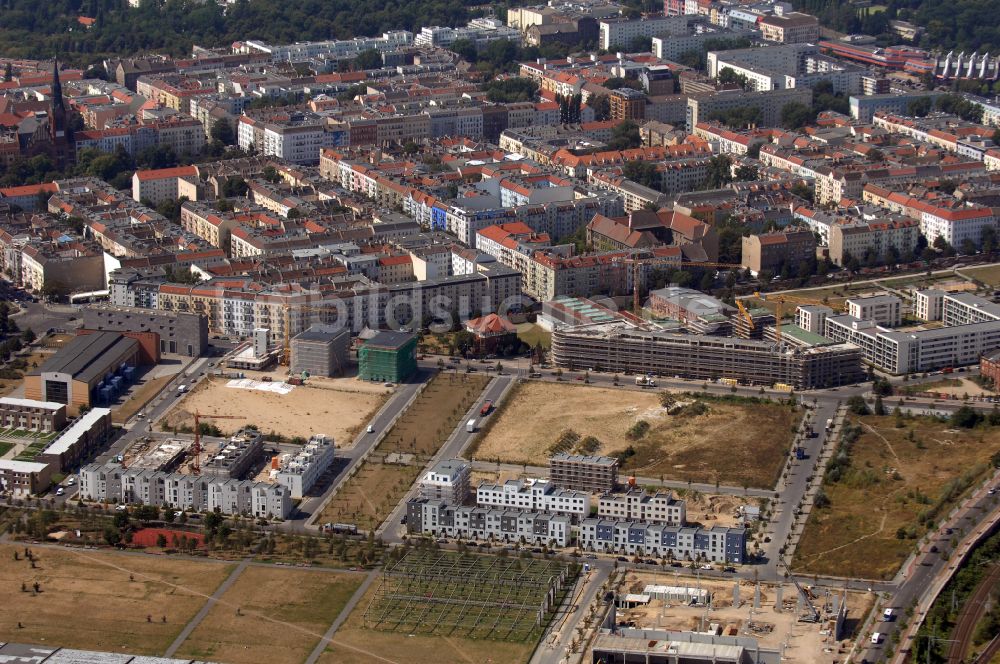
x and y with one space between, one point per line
554 644
391 531
927 571
363 443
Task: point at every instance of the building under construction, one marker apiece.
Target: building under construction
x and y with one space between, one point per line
388 356
618 348
322 350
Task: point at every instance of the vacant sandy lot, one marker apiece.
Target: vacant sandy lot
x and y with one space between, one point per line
282 615
335 407
731 443
87 600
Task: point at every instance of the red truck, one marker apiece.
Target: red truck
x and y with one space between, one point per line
487 407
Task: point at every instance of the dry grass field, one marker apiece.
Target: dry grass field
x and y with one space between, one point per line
355 643
434 414
283 614
367 498
895 474
87 600
731 443
337 409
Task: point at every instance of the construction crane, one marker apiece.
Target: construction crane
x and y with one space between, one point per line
746 314
286 355
812 613
196 447
652 260
780 300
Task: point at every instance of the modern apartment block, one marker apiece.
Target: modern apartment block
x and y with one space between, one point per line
24 478
596 474
448 481
717 544
113 483
928 304
637 505
79 441
622 349
31 415
236 457
535 496
300 471
883 309
966 309
960 344
438 518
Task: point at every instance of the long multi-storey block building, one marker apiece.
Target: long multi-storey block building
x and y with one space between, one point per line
623 349
436 517
716 544
113 483
595 474
534 495
31 415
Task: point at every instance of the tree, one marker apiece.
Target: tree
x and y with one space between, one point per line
625 136
965 417
465 48
857 406
510 90
643 172
370 59
746 173
795 115
719 172
161 541
222 131
879 406
601 106
919 107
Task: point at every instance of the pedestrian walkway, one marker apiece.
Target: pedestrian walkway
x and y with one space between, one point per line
344 613
216 596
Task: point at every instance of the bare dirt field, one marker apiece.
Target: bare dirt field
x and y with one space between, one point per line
731 442
282 615
355 643
87 600
895 475
772 627
335 407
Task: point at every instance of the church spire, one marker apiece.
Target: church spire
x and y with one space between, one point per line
57 96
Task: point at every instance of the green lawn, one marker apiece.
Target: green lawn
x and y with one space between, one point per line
5 447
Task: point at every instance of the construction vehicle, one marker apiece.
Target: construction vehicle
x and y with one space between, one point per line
645 381
196 447
811 613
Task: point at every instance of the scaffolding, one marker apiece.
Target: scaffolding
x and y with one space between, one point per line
435 592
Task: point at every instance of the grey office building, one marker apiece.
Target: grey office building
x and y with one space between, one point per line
322 350
180 333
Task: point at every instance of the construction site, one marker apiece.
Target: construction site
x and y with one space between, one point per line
794 622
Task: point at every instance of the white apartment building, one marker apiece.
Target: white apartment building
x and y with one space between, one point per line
637 505
448 480
928 304
299 472
535 495
812 317
883 309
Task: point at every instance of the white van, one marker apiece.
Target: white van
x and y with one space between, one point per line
876 638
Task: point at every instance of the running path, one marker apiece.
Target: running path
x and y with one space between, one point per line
346 611
219 592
